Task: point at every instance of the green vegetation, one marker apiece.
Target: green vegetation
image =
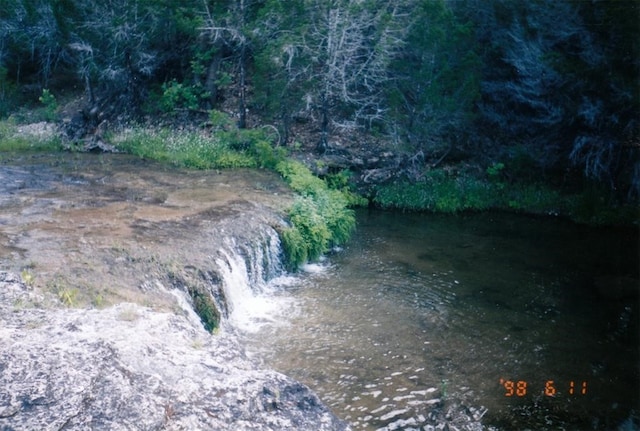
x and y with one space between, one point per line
447 192
177 96
224 146
27 277
14 139
205 307
50 105
191 149
458 85
67 295
320 217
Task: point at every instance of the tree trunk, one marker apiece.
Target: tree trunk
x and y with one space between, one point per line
211 83
285 118
323 145
242 120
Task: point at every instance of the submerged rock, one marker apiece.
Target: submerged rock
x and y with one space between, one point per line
129 367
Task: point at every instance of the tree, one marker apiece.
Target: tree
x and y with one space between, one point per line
279 82
560 85
32 41
606 142
348 47
230 29
436 81
336 54
521 103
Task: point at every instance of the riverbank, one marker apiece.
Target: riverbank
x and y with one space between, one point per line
362 175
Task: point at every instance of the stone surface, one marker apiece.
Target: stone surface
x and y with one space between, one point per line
128 367
98 331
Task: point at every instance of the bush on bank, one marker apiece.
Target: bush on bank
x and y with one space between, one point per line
320 216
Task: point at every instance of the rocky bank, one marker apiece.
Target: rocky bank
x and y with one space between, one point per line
103 261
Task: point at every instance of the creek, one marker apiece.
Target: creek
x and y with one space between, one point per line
509 321
471 322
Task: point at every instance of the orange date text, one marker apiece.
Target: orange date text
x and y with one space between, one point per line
550 388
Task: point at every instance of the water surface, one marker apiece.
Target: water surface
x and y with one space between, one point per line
427 319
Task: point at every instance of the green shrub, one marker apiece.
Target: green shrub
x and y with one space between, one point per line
437 192
294 246
186 148
341 181
267 156
308 220
443 192
221 121
50 105
205 308
320 217
176 95
495 170
300 178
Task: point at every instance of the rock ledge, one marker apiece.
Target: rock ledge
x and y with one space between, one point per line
128 367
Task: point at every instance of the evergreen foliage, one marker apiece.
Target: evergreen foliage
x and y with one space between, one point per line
550 86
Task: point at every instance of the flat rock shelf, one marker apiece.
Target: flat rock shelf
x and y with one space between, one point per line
102 261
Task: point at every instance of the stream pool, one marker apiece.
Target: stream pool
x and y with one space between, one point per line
480 321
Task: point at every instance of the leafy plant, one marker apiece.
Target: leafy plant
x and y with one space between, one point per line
66 294
295 247
307 216
27 277
320 217
50 104
176 95
495 170
205 307
267 156
221 120
98 301
300 178
187 148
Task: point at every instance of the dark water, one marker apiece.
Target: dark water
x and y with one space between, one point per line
488 318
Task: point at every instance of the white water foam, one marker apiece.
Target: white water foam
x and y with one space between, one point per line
254 283
317 267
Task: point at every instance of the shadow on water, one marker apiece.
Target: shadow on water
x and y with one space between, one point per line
529 323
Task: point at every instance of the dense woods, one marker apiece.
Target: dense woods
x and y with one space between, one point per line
547 88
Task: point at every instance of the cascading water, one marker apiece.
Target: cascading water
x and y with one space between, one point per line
252 274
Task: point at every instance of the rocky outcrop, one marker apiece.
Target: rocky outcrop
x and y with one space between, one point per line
128 367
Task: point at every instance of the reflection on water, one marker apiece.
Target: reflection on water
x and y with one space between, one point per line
495 313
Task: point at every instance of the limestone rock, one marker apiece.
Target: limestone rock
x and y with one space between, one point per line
129 367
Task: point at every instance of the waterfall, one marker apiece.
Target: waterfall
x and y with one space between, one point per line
252 276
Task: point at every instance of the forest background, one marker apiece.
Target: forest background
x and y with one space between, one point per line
422 104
